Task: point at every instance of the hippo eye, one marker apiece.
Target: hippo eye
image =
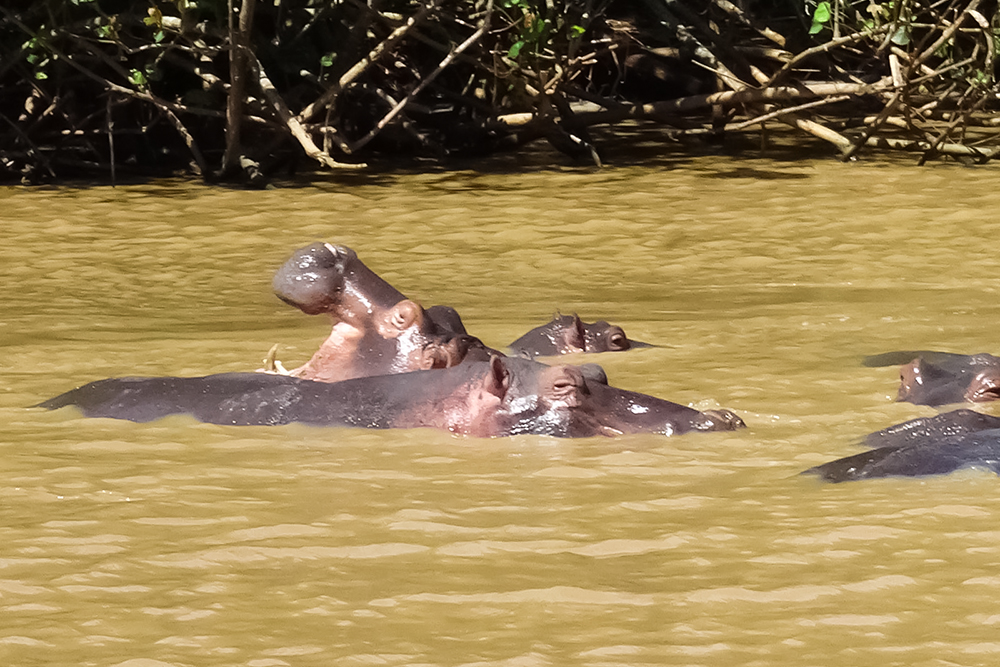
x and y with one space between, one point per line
618 341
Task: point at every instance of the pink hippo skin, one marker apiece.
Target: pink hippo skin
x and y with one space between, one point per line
376 330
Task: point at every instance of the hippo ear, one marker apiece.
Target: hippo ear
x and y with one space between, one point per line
498 378
405 314
576 334
594 373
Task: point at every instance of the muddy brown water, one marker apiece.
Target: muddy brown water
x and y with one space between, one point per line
763 283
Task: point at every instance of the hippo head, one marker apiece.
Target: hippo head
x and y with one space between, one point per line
521 396
942 378
603 337
568 334
376 330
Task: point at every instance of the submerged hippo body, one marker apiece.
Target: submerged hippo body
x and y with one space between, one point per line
925 446
500 397
568 334
942 378
930 429
376 330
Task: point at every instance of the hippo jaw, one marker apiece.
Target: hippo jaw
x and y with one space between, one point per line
327 278
312 279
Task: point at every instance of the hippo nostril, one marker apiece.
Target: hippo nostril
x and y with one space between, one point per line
334 255
618 341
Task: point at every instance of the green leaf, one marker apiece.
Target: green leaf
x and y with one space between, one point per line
901 37
822 13
515 49
820 17
576 30
137 78
40 75
980 77
327 60
158 36
539 28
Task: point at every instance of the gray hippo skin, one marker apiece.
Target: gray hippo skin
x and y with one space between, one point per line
568 334
943 378
446 319
925 446
376 330
500 397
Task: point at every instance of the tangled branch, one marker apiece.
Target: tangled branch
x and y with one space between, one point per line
237 89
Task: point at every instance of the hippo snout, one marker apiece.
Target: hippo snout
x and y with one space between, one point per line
311 278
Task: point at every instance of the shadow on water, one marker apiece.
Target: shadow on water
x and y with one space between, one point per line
757 174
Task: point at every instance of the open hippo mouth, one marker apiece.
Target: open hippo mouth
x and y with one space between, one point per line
376 329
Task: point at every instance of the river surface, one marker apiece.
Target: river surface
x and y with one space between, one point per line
762 282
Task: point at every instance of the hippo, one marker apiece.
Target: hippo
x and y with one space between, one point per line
941 378
925 446
568 334
376 330
504 396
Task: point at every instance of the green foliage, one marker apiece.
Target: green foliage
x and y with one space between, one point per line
138 78
538 27
541 56
821 16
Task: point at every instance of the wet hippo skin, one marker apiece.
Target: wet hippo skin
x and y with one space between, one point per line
500 397
376 330
929 429
926 446
446 319
568 334
942 378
